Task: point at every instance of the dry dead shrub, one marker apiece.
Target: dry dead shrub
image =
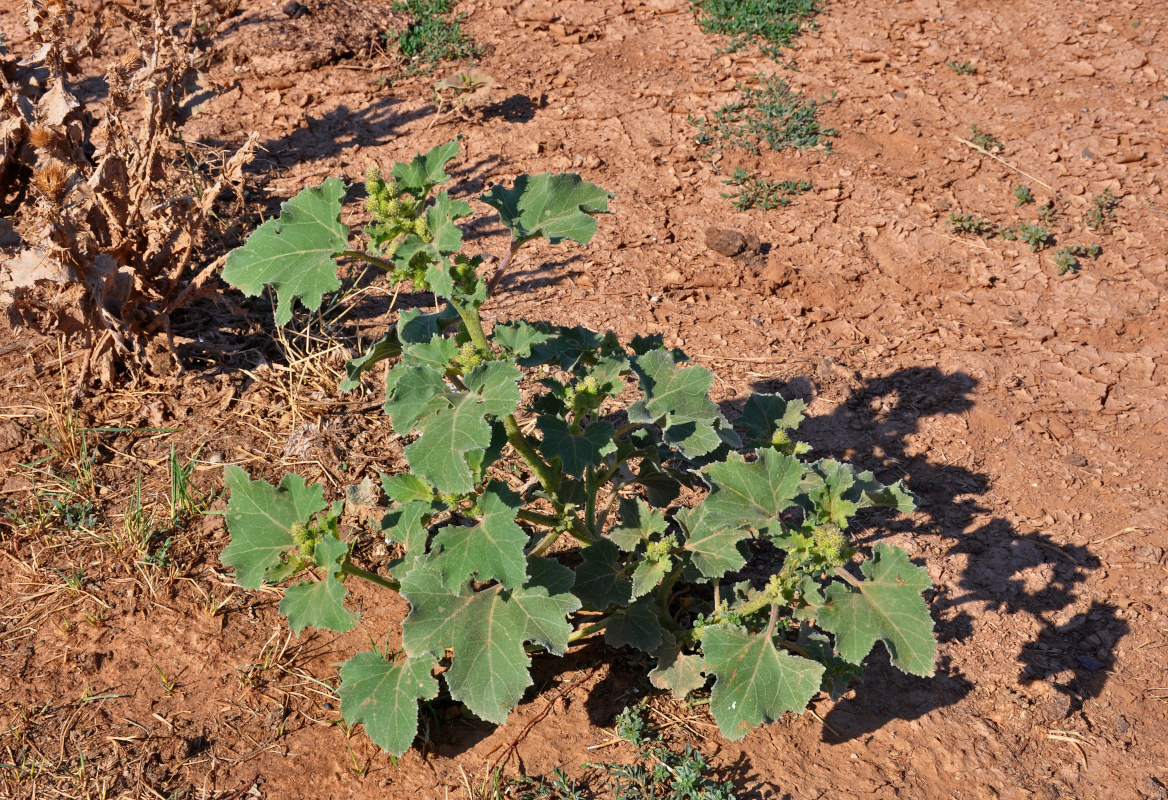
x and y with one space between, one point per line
110 209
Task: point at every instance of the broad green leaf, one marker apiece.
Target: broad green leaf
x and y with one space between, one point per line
405 487
454 423
518 337
491 550
599 582
386 347
321 604
680 673
383 696
875 493
260 518
755 681
556 207
662 484
886 606
649 573
639 523
752 495
677 400
838 674
293 253
637 626
407 525
827 488
715 549
487 631
764 415
409 389
425 172
576 452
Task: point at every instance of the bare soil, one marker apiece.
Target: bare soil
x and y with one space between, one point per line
1028 411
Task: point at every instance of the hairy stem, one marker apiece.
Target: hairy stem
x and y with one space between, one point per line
381 263
357 572
588 630
501 270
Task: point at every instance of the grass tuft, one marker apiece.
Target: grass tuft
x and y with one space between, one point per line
770 23
771 113
434 35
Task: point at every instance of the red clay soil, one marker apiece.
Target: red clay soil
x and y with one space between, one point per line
1027 410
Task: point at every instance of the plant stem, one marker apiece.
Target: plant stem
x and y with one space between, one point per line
501 270
588 630
357 572
537 518
388 266
847 576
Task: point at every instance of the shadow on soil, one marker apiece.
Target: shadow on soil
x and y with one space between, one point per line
872 429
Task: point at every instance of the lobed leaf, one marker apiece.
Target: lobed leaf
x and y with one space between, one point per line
636 626
679 672
764 415
491 550
575 451
887 606
755 682
426 171
555 207
677 400
600 581
487 631
260 519
383 695
294 253
321 604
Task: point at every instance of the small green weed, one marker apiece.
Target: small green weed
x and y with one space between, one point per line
762 192
1067 258
1023 195
1050 211
986 141
1101 215
770 113
772 23
432 36
1036 236
968 223
963 68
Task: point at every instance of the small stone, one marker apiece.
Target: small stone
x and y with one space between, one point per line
1084 68
727 242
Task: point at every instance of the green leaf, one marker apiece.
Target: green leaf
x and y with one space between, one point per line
409 389
639 523
293 253
715 549
454 423
491 550
487 631
649 573
321 604
764 415
519 336
886 606
260 518
599 580
407 525
755 681
386 347
405 487
637 626
752 495
875 493
576 452
425 172
384 696
677 400
556 207
680 673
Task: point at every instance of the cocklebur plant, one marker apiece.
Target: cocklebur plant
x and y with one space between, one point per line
586 538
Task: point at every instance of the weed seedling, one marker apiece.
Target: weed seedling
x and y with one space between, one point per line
1023 195
985 141
1067 258
1035 236
459 88
762 192
963 68
1101 215
968 223
772 23
770 113
433 35
1050 211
